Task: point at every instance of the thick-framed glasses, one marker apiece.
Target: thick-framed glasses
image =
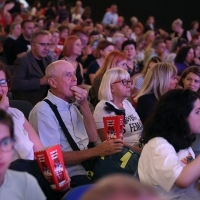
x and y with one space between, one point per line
43 44
4 82
6 144
125 82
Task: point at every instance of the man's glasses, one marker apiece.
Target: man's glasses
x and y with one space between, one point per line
43 44
125 82
4 82
6 144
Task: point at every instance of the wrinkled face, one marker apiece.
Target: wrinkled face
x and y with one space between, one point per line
190 56
77 47
173 83
40 46
65 78
6 144
129 50
192 82
107 50
121 90
28 29
194 118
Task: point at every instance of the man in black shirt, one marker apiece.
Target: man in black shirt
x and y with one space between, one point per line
22 44
29 80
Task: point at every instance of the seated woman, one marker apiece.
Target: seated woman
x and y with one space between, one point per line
167 161
190 79
184 59
159 79
139 78
128 47
71 50
13 184
102 50
114 89
27 140
112 60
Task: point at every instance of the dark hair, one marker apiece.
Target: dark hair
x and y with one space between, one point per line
6 120
182 54
169 119
25 21
128 42
101 46
193 69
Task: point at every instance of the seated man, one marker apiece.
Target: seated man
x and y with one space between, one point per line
29 82
62 80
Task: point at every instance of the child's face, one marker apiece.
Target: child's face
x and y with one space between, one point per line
6 152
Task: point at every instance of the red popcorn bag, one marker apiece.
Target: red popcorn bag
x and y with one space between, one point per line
52 165
113 126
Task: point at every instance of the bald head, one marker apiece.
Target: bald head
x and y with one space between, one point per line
56 68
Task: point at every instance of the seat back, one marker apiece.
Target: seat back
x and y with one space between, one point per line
23 106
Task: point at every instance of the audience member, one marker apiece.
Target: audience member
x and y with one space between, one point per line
13 184
167 157
62 80
114 89
117 40
103 49
111 17
112 60
194 27
22 44
158 80
15 32
29 81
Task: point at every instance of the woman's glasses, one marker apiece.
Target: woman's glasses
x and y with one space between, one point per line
6 144
125 82
4 82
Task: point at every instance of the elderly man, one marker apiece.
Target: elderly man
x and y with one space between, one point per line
29 82
62 80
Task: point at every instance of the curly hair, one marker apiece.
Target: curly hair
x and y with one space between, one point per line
169 119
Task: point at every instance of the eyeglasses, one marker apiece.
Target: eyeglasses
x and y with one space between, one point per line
4 82
6 144
125 82
43 44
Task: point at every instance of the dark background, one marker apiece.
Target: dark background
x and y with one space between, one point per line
165 11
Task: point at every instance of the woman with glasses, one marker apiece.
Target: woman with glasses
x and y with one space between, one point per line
27 140
13 184
159 79
113 59
113 92
167 161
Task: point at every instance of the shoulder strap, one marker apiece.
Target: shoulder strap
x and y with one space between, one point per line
64 128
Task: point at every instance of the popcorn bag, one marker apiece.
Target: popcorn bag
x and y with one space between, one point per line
51 163
113 126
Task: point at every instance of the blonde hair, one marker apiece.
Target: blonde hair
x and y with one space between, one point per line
157 80
110 77
111 61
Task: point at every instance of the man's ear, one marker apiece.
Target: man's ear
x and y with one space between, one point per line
52 82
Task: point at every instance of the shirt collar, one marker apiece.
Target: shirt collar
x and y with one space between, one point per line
57 101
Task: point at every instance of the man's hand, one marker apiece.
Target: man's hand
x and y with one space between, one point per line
110 147
4 102
80 94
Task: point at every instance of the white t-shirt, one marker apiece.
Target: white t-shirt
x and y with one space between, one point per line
23 146
133 126
159 166
20 186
